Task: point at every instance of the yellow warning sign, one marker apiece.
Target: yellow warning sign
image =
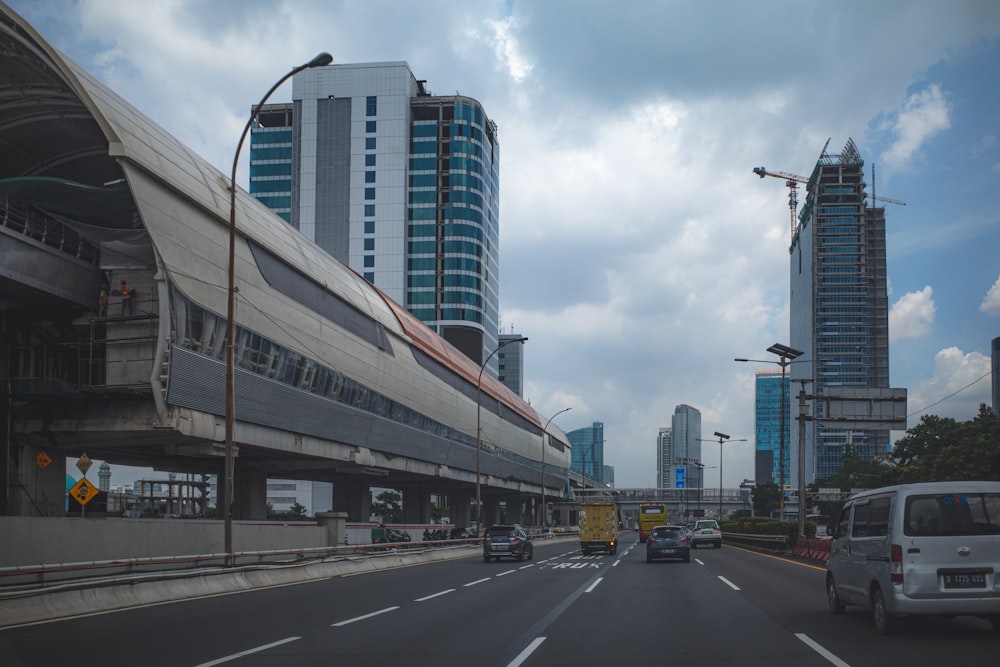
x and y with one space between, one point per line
83 491
84 463
42 460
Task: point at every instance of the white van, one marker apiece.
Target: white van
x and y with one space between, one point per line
918 549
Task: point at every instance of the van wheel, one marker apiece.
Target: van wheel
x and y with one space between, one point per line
884 623
832 599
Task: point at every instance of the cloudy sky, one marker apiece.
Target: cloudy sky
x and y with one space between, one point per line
639 253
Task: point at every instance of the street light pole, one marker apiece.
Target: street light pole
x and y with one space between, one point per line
479 429
544 429
226 503
722 438
786 355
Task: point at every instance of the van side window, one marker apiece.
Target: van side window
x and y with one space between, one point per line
862 511
842 524
878 522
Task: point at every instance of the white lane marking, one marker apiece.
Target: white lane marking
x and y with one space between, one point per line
523 655
361 618
241 654
729 583
819 649
504 574
699 561
431 597
615 564
594 585
525 567
477 581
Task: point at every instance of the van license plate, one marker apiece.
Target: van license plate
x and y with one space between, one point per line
975 580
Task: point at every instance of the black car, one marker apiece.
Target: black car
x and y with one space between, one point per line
462 534
668 542
507 541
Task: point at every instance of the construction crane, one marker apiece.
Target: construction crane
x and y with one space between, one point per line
793 180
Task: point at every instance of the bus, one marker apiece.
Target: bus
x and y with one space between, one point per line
651 514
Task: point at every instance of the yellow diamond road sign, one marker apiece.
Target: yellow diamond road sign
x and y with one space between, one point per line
84 463
42 460
83 491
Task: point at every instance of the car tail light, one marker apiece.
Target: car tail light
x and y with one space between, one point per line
513 538
684 539
896 564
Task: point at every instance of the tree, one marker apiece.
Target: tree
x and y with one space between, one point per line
766 498
387 505
941 449
297 510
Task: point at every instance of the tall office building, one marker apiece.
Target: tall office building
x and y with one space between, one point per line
839 305
664 457
686 446
768 436
510 363
399 184
588 450
995 365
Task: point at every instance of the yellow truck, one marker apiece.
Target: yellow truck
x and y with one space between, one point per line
598 527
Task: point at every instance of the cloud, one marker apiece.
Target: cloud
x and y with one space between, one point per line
923 115
913 315
959 385
991 302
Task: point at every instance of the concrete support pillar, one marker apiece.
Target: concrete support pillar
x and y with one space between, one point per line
354 498
249 493
416 504
336 527
460 505
39 490
491 511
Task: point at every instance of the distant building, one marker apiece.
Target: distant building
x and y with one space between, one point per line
995 365
769 395
400 185
283 494
510 364
686 446
664 457
588 450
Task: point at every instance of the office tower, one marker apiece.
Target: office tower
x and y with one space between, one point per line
510 363
588 450
399 184
686 429
839 305
995 365
664 457
768 424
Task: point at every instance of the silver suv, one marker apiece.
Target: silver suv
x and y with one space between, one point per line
706 531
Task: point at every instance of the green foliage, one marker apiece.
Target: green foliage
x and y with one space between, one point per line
766 498
763 525
297 510
387 505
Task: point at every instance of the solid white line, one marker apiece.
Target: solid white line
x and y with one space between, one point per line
477 581
523 655
822 651
361 618
505 573
615 564
594 585
241 654
729 583
430 597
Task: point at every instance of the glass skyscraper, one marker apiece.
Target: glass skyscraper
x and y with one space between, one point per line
588 450
839 305
399 184
767 425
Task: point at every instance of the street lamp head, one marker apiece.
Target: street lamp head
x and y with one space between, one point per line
784 351
321 60
721 435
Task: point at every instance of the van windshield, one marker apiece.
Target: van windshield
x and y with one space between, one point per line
952 514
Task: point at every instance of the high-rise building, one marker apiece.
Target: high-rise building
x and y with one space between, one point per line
995 365
839 305
769 397
686 446
588 450
510 363
399 184
664 457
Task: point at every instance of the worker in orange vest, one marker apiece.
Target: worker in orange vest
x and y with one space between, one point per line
126 299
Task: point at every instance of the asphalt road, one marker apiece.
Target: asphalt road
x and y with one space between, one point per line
725 607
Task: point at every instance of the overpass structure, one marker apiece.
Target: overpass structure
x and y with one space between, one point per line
334 381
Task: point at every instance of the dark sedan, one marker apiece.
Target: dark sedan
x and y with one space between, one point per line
668 542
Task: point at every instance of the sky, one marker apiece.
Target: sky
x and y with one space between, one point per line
638 251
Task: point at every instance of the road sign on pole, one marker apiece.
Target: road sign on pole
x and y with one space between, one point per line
83 491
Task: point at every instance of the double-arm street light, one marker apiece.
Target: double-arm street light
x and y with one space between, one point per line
722 438
226 502
479 429
544 435
785 356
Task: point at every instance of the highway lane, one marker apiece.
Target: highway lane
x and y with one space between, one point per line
727 606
